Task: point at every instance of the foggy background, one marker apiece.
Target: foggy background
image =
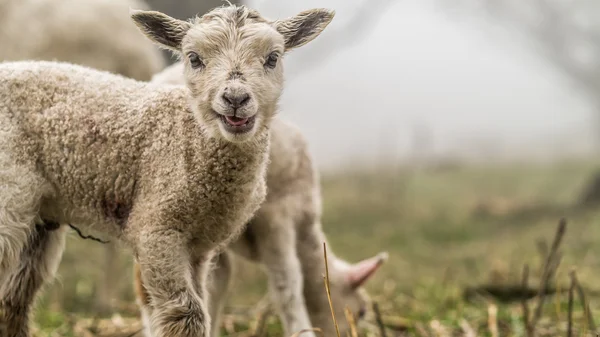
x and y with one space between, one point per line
453 134
423 80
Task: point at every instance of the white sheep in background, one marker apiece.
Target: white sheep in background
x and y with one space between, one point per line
286 237
173 172
93 33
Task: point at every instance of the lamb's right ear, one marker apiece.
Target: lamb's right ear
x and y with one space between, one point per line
161 28
304 27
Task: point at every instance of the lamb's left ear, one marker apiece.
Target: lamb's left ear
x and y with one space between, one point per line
358 273
161 28
304 27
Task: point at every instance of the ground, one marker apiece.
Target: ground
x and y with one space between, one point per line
449 229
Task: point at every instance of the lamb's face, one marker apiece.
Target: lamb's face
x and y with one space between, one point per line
233 68
233 62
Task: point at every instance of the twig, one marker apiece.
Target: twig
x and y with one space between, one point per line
549 266
570 316
326 280
379 320
584 302
524 305
87 237
351 322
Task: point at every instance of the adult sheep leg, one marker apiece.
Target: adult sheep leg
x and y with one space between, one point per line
276 244
38 263
168 271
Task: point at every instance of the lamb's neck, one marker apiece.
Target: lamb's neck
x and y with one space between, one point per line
245 154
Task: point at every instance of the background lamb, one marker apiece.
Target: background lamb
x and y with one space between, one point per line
94 33
286 237
172 172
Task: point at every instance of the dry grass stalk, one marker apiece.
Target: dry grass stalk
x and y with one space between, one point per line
351 322
326 280
524 305
570 315
467 329
379 320
550 267
493 319
584 302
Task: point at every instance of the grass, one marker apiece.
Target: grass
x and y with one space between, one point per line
447 231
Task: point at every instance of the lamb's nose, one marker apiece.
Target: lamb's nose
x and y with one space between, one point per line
236 100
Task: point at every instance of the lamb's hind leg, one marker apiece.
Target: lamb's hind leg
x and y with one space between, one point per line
276 244
38 263
218 287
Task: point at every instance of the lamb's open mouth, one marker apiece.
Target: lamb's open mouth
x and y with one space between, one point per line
235 124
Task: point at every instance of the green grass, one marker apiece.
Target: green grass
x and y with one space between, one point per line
444 229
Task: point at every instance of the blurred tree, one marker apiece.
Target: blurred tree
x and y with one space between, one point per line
564 32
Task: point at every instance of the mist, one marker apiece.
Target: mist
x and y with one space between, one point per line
423 76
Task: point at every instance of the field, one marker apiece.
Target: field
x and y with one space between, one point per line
449 230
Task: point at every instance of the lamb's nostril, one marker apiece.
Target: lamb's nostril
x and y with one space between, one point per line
245 99
236 101
226 99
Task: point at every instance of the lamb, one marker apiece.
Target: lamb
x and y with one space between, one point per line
285 237
173 172
80 32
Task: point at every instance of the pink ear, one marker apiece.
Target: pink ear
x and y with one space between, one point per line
358 273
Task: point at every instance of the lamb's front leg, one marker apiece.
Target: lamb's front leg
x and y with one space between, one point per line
166 267
276 244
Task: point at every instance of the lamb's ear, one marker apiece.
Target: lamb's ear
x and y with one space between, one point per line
304 27
161 28
358 273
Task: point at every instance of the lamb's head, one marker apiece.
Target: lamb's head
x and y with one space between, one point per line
233 61
346 286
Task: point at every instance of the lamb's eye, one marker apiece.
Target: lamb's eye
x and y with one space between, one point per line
195 60
271 61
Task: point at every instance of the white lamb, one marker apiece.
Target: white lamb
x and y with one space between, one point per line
286 237
173 172
93 33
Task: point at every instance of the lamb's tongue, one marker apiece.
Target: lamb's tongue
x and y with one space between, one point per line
235 121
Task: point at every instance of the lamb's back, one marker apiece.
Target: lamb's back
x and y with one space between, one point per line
85 131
